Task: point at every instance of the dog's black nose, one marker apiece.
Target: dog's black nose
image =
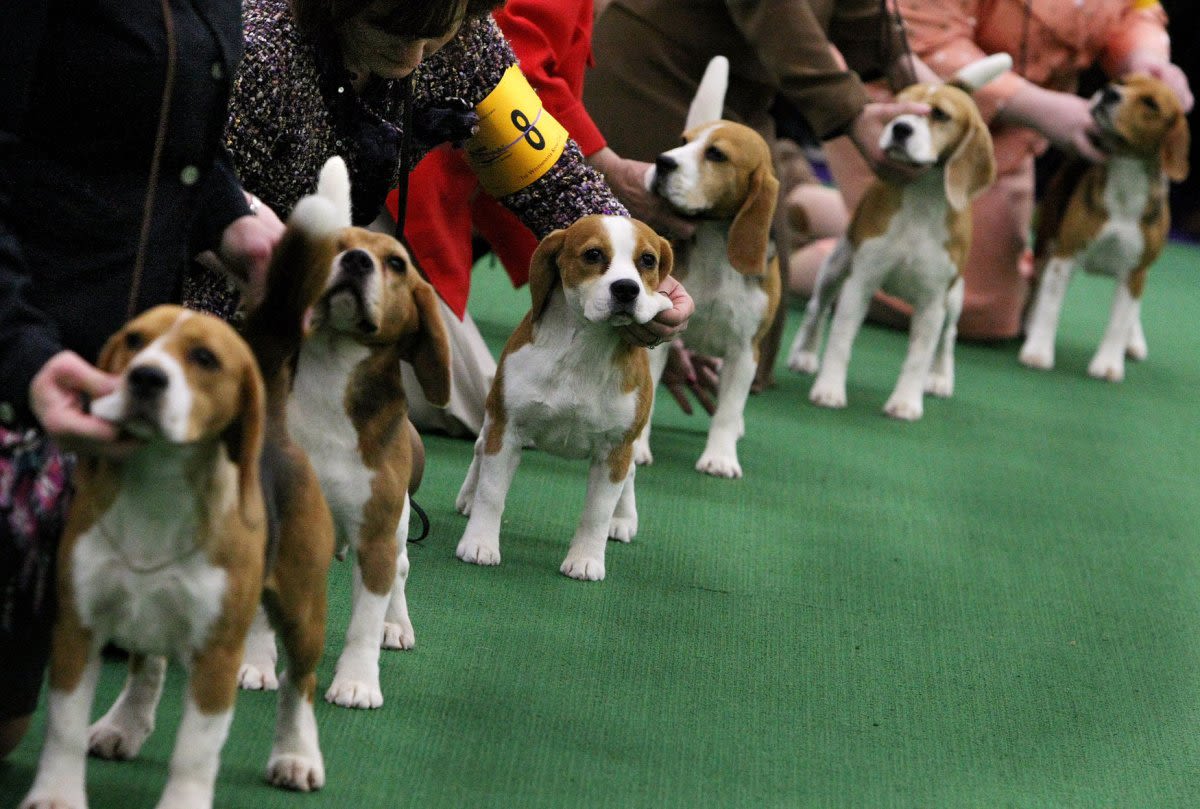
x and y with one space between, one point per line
665 164
147 381
357 263
1110 95
901 131
625 290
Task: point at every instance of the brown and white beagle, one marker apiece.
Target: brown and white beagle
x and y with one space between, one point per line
369 309
723 175
911 241
165 554
1111 219
568 384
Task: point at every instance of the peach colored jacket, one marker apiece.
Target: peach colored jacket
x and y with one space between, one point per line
1064 37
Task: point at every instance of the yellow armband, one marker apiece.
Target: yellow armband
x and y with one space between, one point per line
517 141
1138 5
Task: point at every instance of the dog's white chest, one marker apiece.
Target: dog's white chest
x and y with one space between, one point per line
729 306
1118 247
564 393
909 260
144 583
318 421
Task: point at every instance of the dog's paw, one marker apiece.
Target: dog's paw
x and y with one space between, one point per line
296 772
477 552
398 635
826 395
463 502
53 799
940 385
252 677
351 693
1107 368
1137 350
1037 357
623 529
904 409
804 362
719 465
583 568
117 740
642 456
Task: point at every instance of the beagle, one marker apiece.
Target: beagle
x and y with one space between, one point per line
1111 219
911 241
568 384
164 553
369 309
723 175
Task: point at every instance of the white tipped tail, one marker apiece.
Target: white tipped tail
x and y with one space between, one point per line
334 185
973 76
709 102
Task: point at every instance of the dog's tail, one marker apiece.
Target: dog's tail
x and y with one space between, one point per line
709 102
970 78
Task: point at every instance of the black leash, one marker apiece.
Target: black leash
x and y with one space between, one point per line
423 517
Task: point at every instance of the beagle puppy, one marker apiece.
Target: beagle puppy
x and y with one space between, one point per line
347 410
911 241
1110 219
568 384
723 175
164 554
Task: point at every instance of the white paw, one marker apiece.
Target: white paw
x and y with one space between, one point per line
463 502
253 678
292 771
804 362
623 529
940 385
1038 357
1110 370
719 465
583 568
1137 350
116 741
350 693
477 552
824 394
398 635
642 456
43 800
904 409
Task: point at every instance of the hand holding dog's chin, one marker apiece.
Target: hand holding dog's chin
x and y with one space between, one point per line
1064 119
667 323
627 179
56 397
865 132
246 248
1153 64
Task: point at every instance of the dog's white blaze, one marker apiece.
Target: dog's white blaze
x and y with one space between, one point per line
682 186
918 146
343 309
174 416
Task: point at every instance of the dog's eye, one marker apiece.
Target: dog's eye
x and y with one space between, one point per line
939 114
202 357
715 155
593 255
134 340
1150 103
396 263
648 260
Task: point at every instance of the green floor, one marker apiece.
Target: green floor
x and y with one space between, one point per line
996 606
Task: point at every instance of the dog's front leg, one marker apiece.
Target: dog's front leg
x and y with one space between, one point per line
397 628
74 670
803 357
624 525
1109 361
480 543
356 677
466 493
585 558
120 733
1038 349
257 672
928 321
659 356
941 376
720 452
829 389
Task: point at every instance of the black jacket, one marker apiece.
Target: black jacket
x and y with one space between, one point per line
81 85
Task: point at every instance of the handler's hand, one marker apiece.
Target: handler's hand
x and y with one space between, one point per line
666 324
56 397
627 178
866 130
696 373
246 248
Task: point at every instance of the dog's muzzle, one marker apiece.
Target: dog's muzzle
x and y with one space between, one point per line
345 301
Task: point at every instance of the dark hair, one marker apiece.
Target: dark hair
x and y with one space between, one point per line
415 18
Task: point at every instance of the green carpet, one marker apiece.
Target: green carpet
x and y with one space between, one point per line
996 606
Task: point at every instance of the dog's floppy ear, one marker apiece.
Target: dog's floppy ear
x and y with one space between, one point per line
666 258
113 358
428 351
972 167
244 439
543 271
750 232
1175 150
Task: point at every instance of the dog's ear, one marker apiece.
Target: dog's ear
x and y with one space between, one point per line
1175 150
114 357
244 440
972 167
543 271
428 350
750 232
666 259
